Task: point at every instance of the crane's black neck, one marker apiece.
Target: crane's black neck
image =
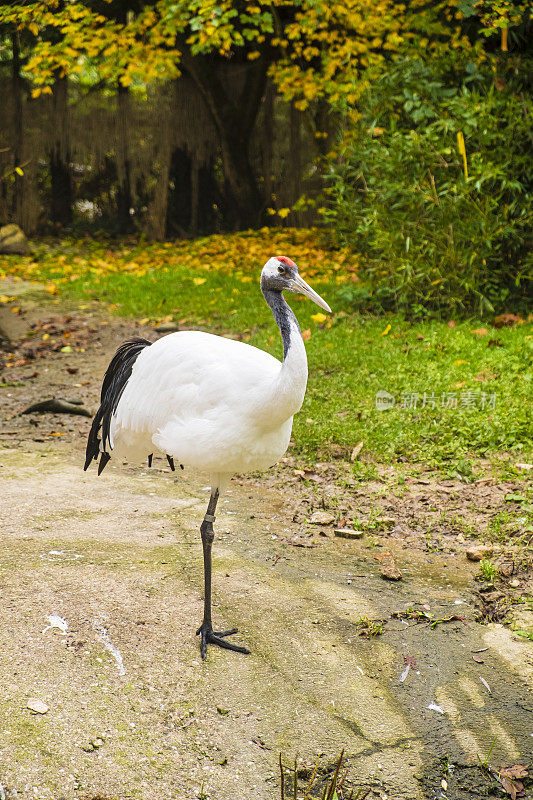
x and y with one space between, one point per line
284 316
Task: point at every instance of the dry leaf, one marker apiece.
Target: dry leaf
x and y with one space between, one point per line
355 452
480 331
306 335
510 780
507 319
515 772
387 329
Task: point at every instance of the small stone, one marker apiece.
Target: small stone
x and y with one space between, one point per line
479 552
322 518
492 597
13 241
514 584
390 572
348 533
93 745
37 706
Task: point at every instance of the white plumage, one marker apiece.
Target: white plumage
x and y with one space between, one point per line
209 402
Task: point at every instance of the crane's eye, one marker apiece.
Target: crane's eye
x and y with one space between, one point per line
281 270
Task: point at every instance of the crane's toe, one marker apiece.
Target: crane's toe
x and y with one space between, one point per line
209 636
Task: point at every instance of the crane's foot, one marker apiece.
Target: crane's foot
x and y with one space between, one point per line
209 636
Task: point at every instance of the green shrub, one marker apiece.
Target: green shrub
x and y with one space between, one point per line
434 237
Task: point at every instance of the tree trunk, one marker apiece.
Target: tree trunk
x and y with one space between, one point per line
241 187
18 129
61 201
124 196
210 200
295 167
179 203
156 220
195 170
234 123
268 142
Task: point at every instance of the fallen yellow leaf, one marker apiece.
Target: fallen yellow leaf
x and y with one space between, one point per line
51 288
319 317
355 452
387 329
198 281
459 362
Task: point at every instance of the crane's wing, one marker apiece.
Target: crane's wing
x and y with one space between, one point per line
188 390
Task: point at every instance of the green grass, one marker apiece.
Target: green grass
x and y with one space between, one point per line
351 356
489 571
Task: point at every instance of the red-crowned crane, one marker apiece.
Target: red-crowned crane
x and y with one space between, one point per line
216 404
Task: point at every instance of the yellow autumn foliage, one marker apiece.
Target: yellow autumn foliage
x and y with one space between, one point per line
240 254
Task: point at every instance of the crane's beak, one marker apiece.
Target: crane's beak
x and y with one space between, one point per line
299 286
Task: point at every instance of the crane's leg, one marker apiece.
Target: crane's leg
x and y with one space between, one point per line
209 636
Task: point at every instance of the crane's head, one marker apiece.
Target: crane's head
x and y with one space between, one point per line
281 274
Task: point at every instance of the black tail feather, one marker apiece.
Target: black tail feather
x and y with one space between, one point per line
104 458
115 380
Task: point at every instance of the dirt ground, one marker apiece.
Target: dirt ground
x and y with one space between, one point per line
131 711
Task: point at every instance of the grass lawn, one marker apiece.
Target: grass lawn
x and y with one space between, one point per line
462 389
